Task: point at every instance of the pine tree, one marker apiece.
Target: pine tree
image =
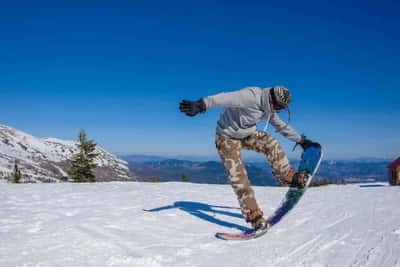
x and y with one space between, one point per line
154 179
16 175
185 178
82 163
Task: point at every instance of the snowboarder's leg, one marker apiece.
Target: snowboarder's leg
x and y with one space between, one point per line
229 151
256 219
264 143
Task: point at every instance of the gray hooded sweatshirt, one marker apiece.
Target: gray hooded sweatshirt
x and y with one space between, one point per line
244 109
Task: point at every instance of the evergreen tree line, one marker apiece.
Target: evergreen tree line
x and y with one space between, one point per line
154 179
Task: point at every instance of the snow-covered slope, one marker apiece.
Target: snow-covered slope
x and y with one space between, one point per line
105 224
44 159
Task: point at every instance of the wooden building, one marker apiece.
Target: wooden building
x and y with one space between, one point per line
394 172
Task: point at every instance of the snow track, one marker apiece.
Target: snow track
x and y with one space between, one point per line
172 224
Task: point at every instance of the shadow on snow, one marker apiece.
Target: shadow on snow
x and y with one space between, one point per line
372 185
199 210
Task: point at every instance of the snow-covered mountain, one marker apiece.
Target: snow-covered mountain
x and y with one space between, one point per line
173 224
44 159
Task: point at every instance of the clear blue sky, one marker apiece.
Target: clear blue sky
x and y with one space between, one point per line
119 69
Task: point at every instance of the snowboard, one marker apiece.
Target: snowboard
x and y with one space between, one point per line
310 161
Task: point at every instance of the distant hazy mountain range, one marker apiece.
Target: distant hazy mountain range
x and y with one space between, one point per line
213 172
199 172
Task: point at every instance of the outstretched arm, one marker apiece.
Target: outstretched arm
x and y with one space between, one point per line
284 128
246 97
290 133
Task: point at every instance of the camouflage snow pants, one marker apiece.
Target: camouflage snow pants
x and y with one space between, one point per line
229 150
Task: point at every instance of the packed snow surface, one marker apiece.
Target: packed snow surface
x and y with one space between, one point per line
173 224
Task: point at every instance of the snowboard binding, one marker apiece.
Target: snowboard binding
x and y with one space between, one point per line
296 179
256 219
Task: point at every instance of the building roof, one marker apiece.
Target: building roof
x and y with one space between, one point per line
394 164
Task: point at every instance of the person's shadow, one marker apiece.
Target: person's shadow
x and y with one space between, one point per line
199 210
372 185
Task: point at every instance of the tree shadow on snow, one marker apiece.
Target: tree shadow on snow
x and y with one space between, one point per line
199 210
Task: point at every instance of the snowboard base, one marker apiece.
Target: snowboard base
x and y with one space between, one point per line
250 234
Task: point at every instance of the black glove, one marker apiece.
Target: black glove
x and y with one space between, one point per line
192 108
306 143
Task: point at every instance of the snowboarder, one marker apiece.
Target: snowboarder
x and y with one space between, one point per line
236 130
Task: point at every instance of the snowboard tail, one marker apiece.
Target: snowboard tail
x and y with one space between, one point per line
310 161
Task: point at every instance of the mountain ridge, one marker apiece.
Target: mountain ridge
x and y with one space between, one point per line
213 172
45 159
